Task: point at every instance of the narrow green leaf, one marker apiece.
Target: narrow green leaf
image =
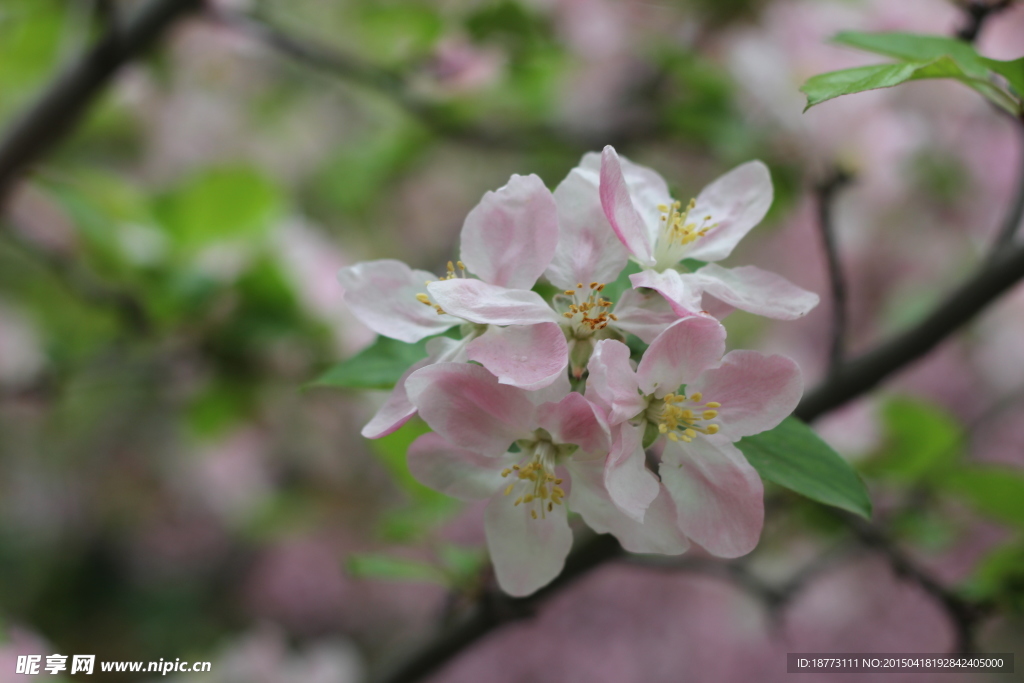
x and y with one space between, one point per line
378 366
992 490
827 86
388 567
1012 71
794 457
914 47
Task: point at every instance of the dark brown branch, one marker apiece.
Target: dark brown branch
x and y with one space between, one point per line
825 194
978 12
54 115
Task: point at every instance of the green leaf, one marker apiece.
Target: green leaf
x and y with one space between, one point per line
999 577
1012 71
920 439
923 57
388 567
827 86
794 457
913 47
994 491
219 204
379 366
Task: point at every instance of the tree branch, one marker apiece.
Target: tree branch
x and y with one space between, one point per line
858 376
978 12
825 194
52 117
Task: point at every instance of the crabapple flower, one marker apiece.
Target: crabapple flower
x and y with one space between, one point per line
660 232
562 443
587 257
507 241
694 404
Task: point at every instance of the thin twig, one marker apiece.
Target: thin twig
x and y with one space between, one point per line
52 117
825 194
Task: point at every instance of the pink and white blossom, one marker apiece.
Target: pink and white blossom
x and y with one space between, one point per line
660 232
562 443
696 403
508 240
587 257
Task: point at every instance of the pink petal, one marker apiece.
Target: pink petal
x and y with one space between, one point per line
382 294
719 496
527 553
680 354
716 307
612 384
756 392
758 291
619 209
630 485
683 295
526 356
588 249
397 409
479 302
645 315
737 202
552 393
573 420
455 471
658 533
465 404
508 239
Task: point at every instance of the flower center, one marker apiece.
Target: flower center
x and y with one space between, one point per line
535 481
678 232
682 417
588 311
425 299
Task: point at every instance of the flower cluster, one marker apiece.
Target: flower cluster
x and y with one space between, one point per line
540 405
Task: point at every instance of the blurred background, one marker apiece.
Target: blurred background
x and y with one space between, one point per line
168 487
